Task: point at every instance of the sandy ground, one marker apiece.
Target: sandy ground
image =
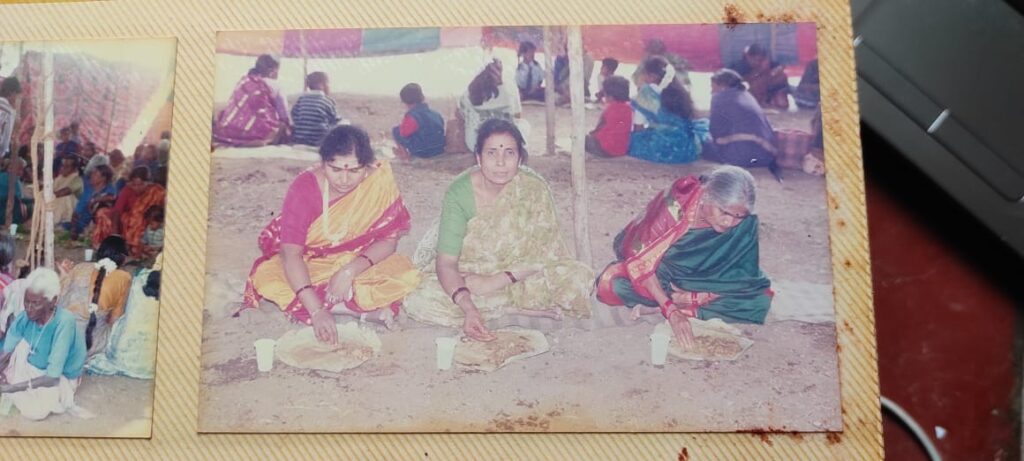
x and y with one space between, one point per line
591 380
123 406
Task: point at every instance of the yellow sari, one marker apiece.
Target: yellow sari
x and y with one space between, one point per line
373 211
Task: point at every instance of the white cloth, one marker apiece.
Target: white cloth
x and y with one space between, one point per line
38 403
95 161
8 115
14 302
505 105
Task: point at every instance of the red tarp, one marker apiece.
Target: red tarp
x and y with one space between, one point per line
105 98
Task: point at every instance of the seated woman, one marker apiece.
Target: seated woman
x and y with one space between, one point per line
95 293
766 78
664 128
108 219
808 92
486 98
128 215
332 248
7 277
14 172
741 134
131 347
43 354
99 192
499 249
694 253
257 113
67 187
122 168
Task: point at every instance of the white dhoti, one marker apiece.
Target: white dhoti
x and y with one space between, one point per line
38 403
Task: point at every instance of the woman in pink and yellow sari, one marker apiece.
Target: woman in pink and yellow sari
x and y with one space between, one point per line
257 113
332 248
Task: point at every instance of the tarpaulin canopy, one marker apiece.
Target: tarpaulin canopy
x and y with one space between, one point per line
698 43
106 98
707 47
341 43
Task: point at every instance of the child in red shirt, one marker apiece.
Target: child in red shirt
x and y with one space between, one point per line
611 136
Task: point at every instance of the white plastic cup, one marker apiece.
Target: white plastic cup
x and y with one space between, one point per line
265 354
445 352
88 254
659 348
14 230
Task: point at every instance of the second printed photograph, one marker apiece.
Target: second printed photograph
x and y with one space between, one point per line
519 229
85 129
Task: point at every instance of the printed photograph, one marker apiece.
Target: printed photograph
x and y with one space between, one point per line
519 229
85 133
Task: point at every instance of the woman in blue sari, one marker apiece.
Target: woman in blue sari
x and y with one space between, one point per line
663 128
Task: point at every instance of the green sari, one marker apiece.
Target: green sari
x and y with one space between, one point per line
520 229
705 261
661 243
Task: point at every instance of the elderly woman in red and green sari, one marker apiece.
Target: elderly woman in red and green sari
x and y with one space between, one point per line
693 253
332 248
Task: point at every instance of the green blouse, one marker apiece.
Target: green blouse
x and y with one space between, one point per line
458 207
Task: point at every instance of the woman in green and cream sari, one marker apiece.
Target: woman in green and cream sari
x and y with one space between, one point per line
498 247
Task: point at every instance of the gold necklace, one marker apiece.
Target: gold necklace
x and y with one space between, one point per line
332 237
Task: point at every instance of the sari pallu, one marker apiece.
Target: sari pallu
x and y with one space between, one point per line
131 345
133 222
669 138
77 292
373 211
251 115
519 230
661 244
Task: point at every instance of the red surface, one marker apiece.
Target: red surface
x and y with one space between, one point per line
947 316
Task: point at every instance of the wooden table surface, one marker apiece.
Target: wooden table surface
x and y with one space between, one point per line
948 303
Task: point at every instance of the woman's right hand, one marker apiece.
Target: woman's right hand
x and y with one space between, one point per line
324 328
473 326
680 324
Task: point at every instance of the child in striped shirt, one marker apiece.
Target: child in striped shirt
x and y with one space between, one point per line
315 112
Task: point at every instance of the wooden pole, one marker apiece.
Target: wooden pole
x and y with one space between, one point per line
113 113
38 134
305 60
549 87
581 207
48 160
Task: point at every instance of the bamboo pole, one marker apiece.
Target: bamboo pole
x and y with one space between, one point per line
581 207
549 87
38 134
305 59
48 160
113 113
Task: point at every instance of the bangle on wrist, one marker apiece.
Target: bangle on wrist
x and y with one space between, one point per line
367 258
667 307
511 277
455 294
304 288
